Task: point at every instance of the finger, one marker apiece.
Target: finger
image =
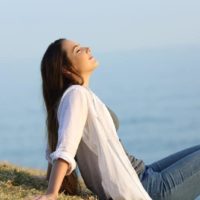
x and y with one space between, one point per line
32 198
37 197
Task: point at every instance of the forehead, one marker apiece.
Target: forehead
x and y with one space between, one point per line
68 45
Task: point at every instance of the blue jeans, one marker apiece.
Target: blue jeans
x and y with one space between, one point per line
175 177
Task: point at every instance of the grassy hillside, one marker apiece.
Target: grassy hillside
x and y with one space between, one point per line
22 183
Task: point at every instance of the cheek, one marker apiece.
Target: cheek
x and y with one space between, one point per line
83 63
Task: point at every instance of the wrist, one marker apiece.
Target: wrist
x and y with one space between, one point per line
52 194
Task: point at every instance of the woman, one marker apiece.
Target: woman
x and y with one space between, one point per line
81 130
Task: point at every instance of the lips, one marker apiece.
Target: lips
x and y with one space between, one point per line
90 57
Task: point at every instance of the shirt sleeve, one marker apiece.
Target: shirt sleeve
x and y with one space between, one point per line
72 116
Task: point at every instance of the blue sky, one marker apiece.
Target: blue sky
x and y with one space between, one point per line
27 27
159 80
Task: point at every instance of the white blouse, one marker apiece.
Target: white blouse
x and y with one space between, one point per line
82 115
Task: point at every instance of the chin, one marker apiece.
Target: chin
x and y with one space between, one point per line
96 63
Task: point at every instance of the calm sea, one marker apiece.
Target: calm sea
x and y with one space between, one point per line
154 92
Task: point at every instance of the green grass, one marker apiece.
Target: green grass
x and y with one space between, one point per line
17 183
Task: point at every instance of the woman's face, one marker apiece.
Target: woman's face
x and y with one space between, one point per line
80 57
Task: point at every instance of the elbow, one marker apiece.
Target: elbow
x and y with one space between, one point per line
68 170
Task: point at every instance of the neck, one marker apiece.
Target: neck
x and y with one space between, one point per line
86 78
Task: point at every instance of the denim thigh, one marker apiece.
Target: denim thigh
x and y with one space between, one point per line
180 180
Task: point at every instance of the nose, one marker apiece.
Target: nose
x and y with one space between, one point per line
88 49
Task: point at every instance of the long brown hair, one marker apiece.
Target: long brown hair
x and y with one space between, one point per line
54 83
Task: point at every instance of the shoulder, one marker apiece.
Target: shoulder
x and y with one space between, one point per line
75 95
75 90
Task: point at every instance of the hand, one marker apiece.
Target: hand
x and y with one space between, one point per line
45 197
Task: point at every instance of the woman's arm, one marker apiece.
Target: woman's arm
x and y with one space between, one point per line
72 117
57 174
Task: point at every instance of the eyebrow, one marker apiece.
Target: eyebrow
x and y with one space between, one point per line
74 47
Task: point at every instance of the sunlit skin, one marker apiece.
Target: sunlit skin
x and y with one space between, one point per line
81 60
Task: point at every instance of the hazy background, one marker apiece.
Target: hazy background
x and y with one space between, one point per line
148 73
